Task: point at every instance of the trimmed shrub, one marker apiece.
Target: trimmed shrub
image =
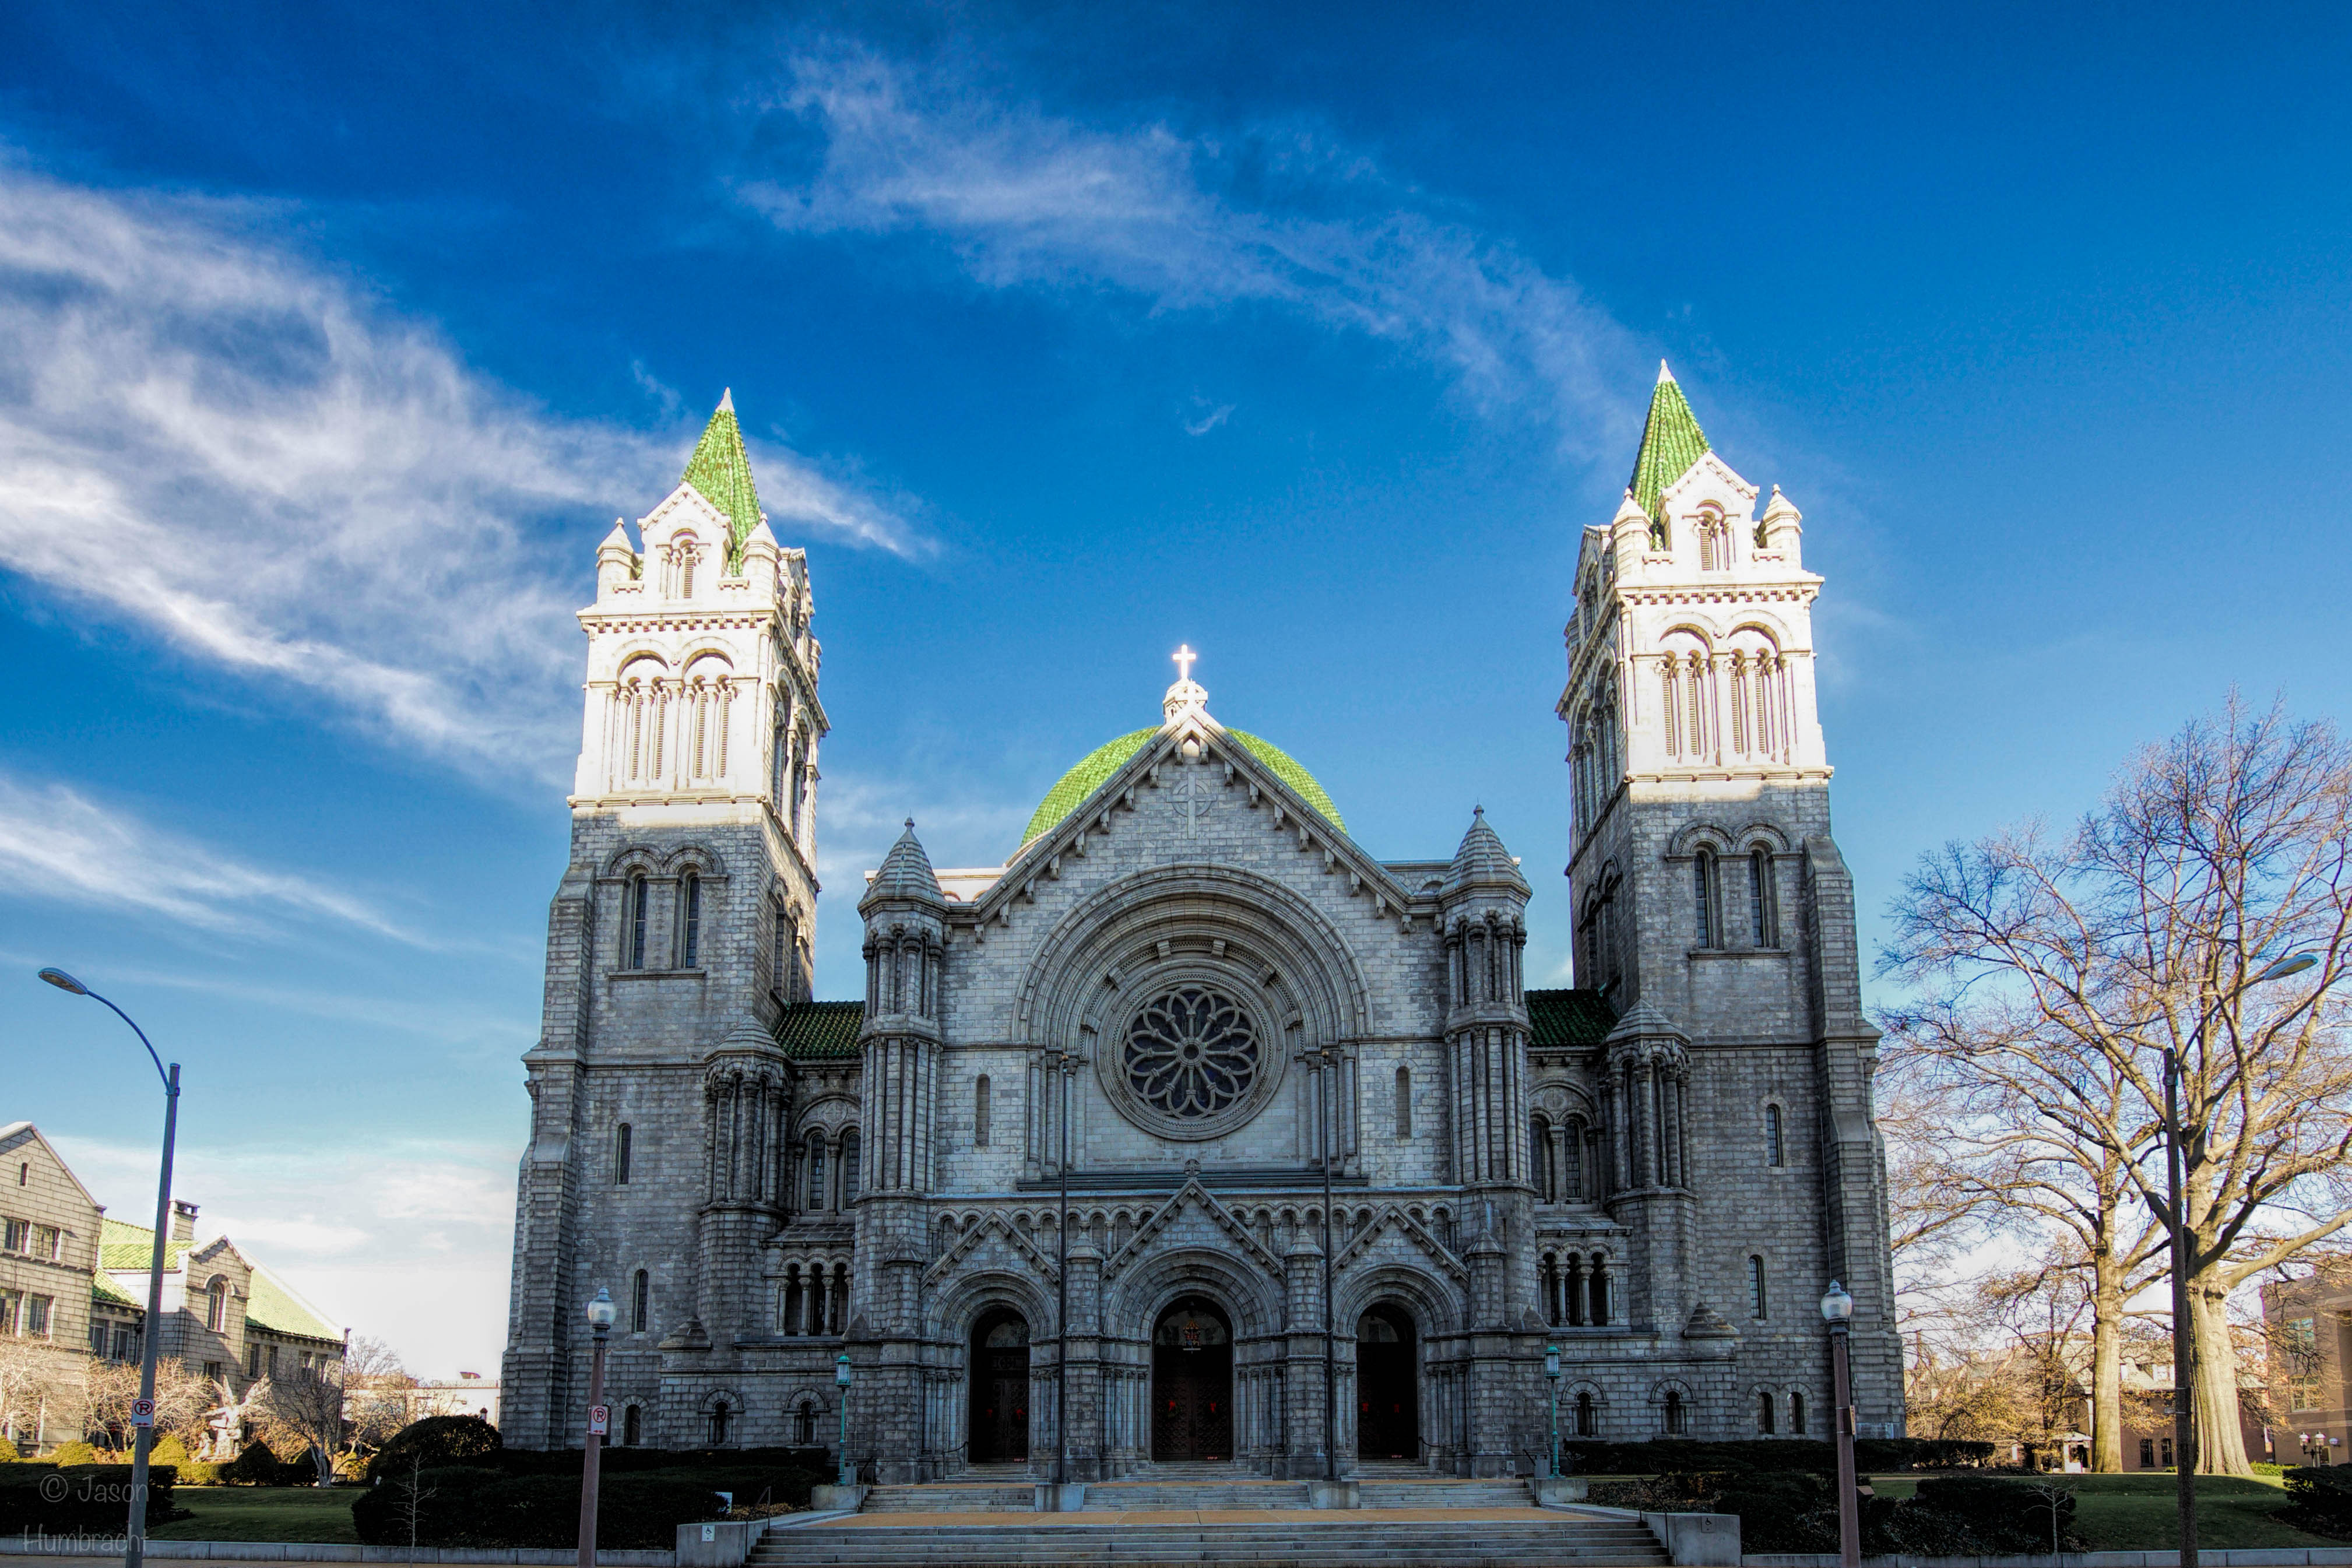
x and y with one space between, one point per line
168 1450
438 1442
257 1466
66 1455
2319 1499
2002 1516
8 1454
473 1505
93 1500
1658 1455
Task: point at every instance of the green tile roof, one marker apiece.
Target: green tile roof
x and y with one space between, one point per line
816 1031
272 1305
1568 1020
123 1245
103 1287
1095 769
721 470
1671 442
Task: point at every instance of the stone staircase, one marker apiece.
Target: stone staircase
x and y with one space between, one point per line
1186 1487
1333 1539
952 1497
1432 1491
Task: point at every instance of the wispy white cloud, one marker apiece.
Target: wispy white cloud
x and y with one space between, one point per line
1280 216
1209 421
57 843
210 435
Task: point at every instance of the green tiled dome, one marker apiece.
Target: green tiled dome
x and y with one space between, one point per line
1093 770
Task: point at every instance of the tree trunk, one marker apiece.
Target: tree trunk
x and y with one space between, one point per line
2221 1440
2106 1367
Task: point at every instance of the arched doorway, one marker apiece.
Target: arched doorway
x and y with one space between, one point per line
1388 1386
1193 1383
998 1369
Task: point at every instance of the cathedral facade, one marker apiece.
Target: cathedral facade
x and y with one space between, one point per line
1193 1130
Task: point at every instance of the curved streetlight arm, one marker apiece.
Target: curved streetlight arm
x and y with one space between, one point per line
169 1086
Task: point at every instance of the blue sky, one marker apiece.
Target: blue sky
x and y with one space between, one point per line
332 341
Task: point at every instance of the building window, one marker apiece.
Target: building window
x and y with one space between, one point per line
1597 1288
1586 1426
47 1244
2148 1453
270 1364
980 1111
1796 1415
690 922
780 959
1571 1165
1539 1159
13 1234
36 1317
126 1344
1405 1102
848 1168
2164 1451
1702 898
217 1305
633 1425
804 1424
1772 1150
1757 1307
213 1372
622 1137
719 1419
1764 1414
816 1171
11 1311
97 1338
1759 899
633 915
1678 1417
253 1361
640 1298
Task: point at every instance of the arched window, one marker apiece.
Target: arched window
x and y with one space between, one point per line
632 1426
1572 1165
217 1305
686 574
1796 1415
635 908
816 1171
640 1301
1764 1414
1703 925
1405 1102
1772 1145
1539 1159
980 1109
720 1418
690 922
621 1155
1757 1306
1587 1425
1660 539
1762 927
1677 1417
848 1168
804 1424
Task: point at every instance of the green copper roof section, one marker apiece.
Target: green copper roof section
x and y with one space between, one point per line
1568 1020
1095 769
121 1245
721 470
1671 442
821 1031
273 1305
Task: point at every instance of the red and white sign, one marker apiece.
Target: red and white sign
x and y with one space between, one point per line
599 1420
142 1413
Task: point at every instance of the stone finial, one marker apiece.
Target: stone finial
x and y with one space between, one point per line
1187 696
1483 862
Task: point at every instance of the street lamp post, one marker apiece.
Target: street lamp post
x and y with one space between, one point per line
601 1313
2184 1339
1064 1064
848 1472
1552 1371
1325 1063
1837 1310
142 1417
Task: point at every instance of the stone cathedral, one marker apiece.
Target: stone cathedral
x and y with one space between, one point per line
1194 1131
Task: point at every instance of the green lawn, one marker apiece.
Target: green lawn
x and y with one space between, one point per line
2135 1512
261 1514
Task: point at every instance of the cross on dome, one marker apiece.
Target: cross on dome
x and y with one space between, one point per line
1186 696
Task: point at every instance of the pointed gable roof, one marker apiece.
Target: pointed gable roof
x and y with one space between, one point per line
720 471
1671 442
905 873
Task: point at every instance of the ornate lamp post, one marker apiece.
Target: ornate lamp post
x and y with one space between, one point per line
142 1415
848 1472
1325 1062
601 1313
1064 1064
2184 1339
1552 1371
1837 1311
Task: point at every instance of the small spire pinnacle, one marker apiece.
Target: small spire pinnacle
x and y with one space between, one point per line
1186 696
1664 374
727 398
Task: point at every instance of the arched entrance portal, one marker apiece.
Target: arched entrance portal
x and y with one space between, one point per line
1193 1383
1388 1386
998 1367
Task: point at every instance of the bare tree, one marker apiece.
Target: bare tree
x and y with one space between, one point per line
182 1400
321 1407
2077 964
29 1385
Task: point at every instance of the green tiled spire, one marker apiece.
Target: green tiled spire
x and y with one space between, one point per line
1671 442
721 471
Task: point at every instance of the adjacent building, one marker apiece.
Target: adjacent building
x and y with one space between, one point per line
1196 1129
2310 1332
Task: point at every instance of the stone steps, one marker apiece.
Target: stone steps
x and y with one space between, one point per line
1348 1541
949 1497
1443 1493
1157 1496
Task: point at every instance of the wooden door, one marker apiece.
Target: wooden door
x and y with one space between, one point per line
1192 1402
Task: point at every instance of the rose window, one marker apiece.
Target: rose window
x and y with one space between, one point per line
1190 1053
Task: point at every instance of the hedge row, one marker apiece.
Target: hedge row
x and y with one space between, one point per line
2319 1498
93 1500
1871 1456
474 1505
1795 1511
